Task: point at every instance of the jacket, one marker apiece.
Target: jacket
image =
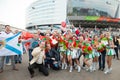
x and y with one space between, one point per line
38 53
52 54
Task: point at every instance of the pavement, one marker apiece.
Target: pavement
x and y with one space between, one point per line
23 73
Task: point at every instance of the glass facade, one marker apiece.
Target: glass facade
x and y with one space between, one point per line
52 12
107 8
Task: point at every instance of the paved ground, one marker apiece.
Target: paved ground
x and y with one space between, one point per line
23 73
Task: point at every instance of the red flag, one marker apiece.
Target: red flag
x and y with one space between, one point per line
26 35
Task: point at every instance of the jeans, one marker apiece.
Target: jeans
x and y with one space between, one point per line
18 58
116 51
24 48
3 59
54 66
30 54
7 59
102 59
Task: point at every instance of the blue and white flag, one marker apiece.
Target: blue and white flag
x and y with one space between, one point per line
10 46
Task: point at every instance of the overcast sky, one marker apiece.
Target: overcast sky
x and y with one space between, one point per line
13 12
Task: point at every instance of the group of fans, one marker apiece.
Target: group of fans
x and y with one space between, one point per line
65 50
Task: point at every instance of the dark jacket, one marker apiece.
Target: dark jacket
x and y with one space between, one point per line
116 43
52 54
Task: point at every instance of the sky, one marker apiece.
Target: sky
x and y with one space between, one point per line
13 12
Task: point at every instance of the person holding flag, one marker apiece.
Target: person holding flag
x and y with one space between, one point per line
75 30
33 44
18 58
6 48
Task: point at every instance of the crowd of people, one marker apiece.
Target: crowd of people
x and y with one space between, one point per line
64 50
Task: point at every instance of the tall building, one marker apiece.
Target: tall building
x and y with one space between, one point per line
43 14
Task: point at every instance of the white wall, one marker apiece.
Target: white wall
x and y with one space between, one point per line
53 14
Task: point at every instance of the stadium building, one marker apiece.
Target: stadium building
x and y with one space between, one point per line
48 14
